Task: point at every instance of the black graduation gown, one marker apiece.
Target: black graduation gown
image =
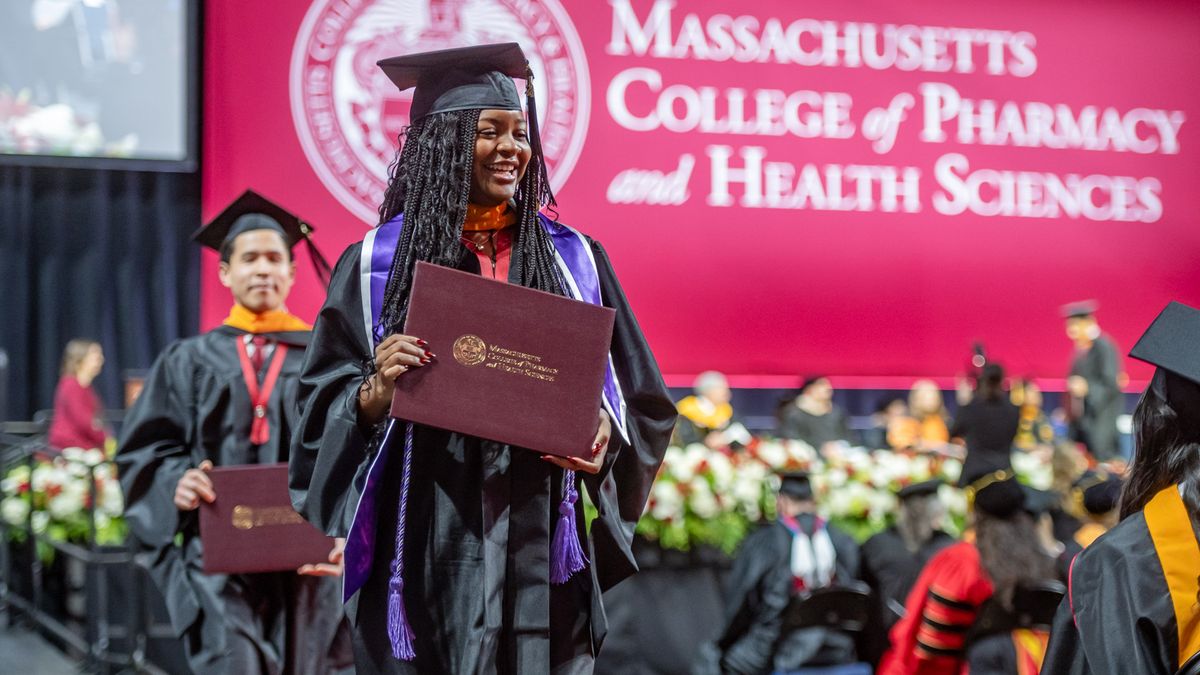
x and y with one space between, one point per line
988 428
1096 427
816 430
760 588
195 406
1119 616
480 514
891 570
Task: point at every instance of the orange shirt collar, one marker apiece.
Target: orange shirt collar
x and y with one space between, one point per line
270 321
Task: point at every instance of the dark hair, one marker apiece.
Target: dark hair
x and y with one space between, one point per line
790 398
430 183
1167 453
1011 553
228 245
990 386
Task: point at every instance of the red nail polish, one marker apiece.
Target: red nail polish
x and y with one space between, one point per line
421 342
424 361
428 353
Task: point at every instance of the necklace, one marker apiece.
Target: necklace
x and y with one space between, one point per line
479 246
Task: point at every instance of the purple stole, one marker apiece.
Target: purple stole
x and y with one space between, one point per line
578 267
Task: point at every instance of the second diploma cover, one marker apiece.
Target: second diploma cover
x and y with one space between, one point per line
514 365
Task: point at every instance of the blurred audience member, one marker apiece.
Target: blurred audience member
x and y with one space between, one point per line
811 416
893 558
78 421
1034 429
886 414
797 553
1096 494
944 603
924 428
987 425
707 416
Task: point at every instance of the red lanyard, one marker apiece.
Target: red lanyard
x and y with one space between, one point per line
260 430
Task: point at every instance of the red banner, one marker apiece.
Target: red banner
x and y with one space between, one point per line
863 191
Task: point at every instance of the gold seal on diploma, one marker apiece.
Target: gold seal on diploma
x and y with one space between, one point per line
469 350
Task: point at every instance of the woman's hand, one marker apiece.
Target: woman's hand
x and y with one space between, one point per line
396 355
333 568
599 450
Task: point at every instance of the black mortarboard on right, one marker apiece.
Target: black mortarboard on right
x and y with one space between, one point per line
252 211
1170 343
796 485
469 78
1076 310
1097 492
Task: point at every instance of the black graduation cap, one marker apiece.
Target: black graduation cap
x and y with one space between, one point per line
1098 492
924 488
997 494
1170 343
252 211
796 485
469 78
1076 310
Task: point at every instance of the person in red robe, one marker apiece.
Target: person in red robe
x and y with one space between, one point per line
943 605
77 419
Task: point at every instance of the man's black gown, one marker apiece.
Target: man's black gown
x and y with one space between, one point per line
480 514
1096 427
760 589
195 406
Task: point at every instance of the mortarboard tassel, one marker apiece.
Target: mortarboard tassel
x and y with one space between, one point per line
400 634
566 553
535 137
320 264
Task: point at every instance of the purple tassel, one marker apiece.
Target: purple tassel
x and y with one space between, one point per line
399 632
566 554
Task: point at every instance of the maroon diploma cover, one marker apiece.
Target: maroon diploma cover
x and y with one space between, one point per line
513 365
252 527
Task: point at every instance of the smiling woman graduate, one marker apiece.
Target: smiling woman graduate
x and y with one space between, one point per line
464 554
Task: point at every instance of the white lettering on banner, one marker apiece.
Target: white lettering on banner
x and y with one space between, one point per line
815 42
832 187
766 112
1033 124
639 186
1029 194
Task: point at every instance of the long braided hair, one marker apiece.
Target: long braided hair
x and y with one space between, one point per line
429 182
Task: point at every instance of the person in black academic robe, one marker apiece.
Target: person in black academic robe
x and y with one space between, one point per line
797 553
196 412
465 586
893 559
987 425
1094 398
1134 595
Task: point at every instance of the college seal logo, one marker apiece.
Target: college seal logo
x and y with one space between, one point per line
469 350
348 115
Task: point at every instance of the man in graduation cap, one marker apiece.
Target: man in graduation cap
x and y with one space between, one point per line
1094 399
464 555
892 559
797 553
1135 592
228 397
